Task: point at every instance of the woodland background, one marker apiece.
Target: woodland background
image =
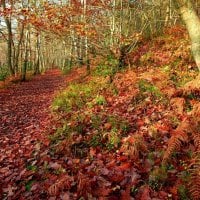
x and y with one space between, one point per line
99 99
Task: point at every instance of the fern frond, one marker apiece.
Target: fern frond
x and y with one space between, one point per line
64 146
62 183
195 117
84 185
196 138
174 144
133 145
194 183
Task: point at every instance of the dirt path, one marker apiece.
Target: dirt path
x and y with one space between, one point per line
24 116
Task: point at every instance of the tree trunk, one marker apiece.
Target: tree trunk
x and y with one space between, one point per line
9 43
16 60
192 23
37 62
9 40
25 64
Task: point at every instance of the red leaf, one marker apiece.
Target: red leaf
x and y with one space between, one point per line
145 193
124 166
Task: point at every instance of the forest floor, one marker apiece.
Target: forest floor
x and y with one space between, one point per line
106 136
24 115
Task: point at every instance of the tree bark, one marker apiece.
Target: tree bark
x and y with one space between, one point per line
9 40
16 60
25 63
37 61
192 22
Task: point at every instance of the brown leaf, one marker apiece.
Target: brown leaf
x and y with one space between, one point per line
107 126
102 191
178 105
55 165
9 190
92 152
65 196
76 161
125 194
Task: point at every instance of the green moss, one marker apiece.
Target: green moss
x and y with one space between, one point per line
96 140
113 139
174 121
183 193
103 70
158 177
107 67
4 72
145 86
185 176
124 126
96 121
61 133
32 168
148 91
28 185
100 100
180 79
78 95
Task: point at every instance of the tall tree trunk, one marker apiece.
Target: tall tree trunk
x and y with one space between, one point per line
192 23
168 13
80 51
25 63
9 40
17 52
84 2
37 61
113 23
9 43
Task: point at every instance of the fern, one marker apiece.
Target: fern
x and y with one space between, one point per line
175 143
196 139
62 183
63 147
194 183
189 127
84 187
133 145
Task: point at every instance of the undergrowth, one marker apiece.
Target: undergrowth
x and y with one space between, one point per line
4 73
78 95
132 122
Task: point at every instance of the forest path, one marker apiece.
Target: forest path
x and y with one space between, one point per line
24 116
